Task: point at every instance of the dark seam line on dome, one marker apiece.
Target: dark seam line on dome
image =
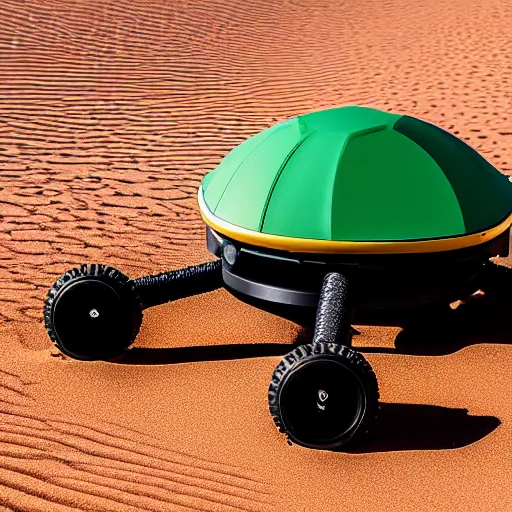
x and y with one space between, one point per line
465 149
240 165
350 137
278 175
420 145
340 156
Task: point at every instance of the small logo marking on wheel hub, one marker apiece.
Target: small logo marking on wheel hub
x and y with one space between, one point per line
94 313
322 397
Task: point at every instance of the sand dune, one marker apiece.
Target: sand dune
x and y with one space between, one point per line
110 114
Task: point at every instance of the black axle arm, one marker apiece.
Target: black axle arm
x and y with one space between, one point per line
177 284
334 312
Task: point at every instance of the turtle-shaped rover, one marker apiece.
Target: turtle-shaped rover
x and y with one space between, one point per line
311 218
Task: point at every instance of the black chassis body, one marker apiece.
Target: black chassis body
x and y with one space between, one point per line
268 278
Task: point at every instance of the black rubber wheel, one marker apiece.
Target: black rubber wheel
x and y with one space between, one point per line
92 313
323 396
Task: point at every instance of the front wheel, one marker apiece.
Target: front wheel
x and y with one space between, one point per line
323 396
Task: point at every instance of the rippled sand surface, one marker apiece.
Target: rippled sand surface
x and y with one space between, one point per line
110 114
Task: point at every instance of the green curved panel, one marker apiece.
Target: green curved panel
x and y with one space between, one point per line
388 188
215 182
484 194
300 205
301 202
348 119
357 174
244 199
207 178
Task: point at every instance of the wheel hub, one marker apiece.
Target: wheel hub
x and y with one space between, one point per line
321 401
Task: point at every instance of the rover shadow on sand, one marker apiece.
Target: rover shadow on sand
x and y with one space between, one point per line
429 331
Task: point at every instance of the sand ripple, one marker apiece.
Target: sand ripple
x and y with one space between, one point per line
67 465
111 112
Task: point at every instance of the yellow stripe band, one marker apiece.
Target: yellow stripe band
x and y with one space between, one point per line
309 245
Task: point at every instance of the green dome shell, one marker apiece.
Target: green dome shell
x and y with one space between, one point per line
357 174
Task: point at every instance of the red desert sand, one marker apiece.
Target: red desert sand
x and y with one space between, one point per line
110 114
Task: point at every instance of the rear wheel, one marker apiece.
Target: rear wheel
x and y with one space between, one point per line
323 396
92 312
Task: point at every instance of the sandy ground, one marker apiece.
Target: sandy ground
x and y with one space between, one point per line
110 114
